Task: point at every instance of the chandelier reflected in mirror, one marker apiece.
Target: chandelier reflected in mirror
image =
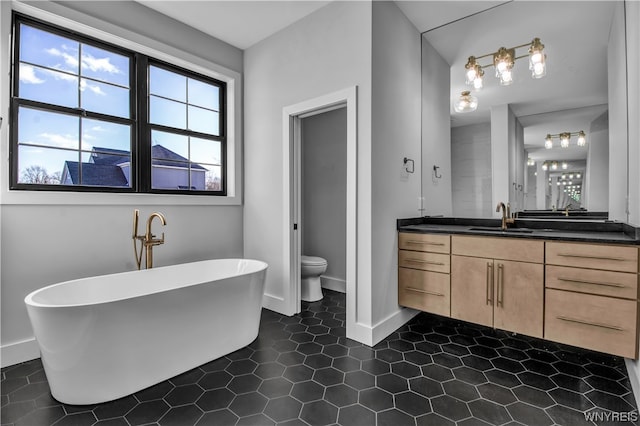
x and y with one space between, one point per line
565 139
503 61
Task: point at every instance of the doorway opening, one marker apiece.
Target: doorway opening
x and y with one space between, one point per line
293 117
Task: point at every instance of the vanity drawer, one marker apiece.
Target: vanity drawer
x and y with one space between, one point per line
593 256
604 324
498 248
605 283
424 242
425 291
434 262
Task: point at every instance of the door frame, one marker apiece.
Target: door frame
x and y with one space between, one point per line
292 116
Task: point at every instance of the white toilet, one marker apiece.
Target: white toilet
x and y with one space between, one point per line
311 267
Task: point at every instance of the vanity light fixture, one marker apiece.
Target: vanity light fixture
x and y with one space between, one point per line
531 161
565 138
504 60
545 166
466 102
554 165
565 166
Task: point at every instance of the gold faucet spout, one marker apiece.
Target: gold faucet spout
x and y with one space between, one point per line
506 215
149 240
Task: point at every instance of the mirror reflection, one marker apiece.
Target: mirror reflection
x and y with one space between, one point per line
543 133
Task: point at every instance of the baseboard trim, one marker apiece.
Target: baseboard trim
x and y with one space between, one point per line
332 283
633 370
15 353
392 323
276 304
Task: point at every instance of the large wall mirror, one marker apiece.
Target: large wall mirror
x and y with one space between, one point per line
497 152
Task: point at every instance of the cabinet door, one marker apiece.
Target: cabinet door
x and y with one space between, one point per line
519 297
472 291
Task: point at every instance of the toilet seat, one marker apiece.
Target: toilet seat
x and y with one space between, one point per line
312 260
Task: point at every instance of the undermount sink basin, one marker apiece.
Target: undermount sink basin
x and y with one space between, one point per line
508 230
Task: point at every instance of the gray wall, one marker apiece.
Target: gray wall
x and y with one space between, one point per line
324 190
471 170
46 242
596 187
436 132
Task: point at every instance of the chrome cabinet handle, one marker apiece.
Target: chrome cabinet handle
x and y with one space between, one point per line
594 324
569 280
586 256
419 290
500 285
489 283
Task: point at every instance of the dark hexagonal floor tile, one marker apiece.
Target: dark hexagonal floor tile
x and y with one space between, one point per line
393 417
490 412
291 358
269 370
533 396
319 413
219 417
216 365
428 347
376 366
214 380
356 415
606 385
433 419
605 371
246 352
425 386
571 399
248 404
609 402
528 414
283 408
328 376
265 355
418 358
335 350
116 408
359 380
508 365
447 360
401 345
566 416
256 420
346 364
26 417
376 399
571 369
147 412
469 375
309 348
536 380
496 393
571 383
307 391
483 351
341 395
273 388
450 407
437 372
317 361
389 355
187 394
298 373
455 349
362 353
405 369
461 390
412 403
477 363
183 415
245 383
502 378
215 399
392 383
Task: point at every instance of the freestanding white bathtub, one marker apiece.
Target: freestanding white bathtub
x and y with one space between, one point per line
106 337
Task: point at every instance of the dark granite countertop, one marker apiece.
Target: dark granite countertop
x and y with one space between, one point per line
596 231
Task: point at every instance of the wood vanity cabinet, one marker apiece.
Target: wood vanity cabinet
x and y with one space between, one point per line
498 282
423 272
592 296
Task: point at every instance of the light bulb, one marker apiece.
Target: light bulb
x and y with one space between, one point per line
545 166
564 140
565 166
582 140
506 77
554 165
548 142
478 83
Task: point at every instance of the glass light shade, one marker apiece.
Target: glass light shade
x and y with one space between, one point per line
545 166
466 103
578 176
554 165
564 140
548 142
537 59
472 70
478 83
565 166
582 139
506 77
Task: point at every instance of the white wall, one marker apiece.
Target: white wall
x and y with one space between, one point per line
327 51
55 237
395 134
324 192
633 89
436 133
471 170
502 150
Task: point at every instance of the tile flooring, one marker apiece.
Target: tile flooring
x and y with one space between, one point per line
303 370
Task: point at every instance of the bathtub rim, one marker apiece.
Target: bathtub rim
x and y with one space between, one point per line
29 299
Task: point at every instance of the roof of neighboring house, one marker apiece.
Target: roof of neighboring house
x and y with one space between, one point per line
96 174
160 156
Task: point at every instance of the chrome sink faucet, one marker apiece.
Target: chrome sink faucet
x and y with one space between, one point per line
148 240
506 215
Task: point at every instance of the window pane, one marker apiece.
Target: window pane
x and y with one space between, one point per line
204 121
206 151
45 85
169 147
167 84
204 95
214 179
43 165
49 50
105 136
48 128
168 113
100 64
102 169
105 98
